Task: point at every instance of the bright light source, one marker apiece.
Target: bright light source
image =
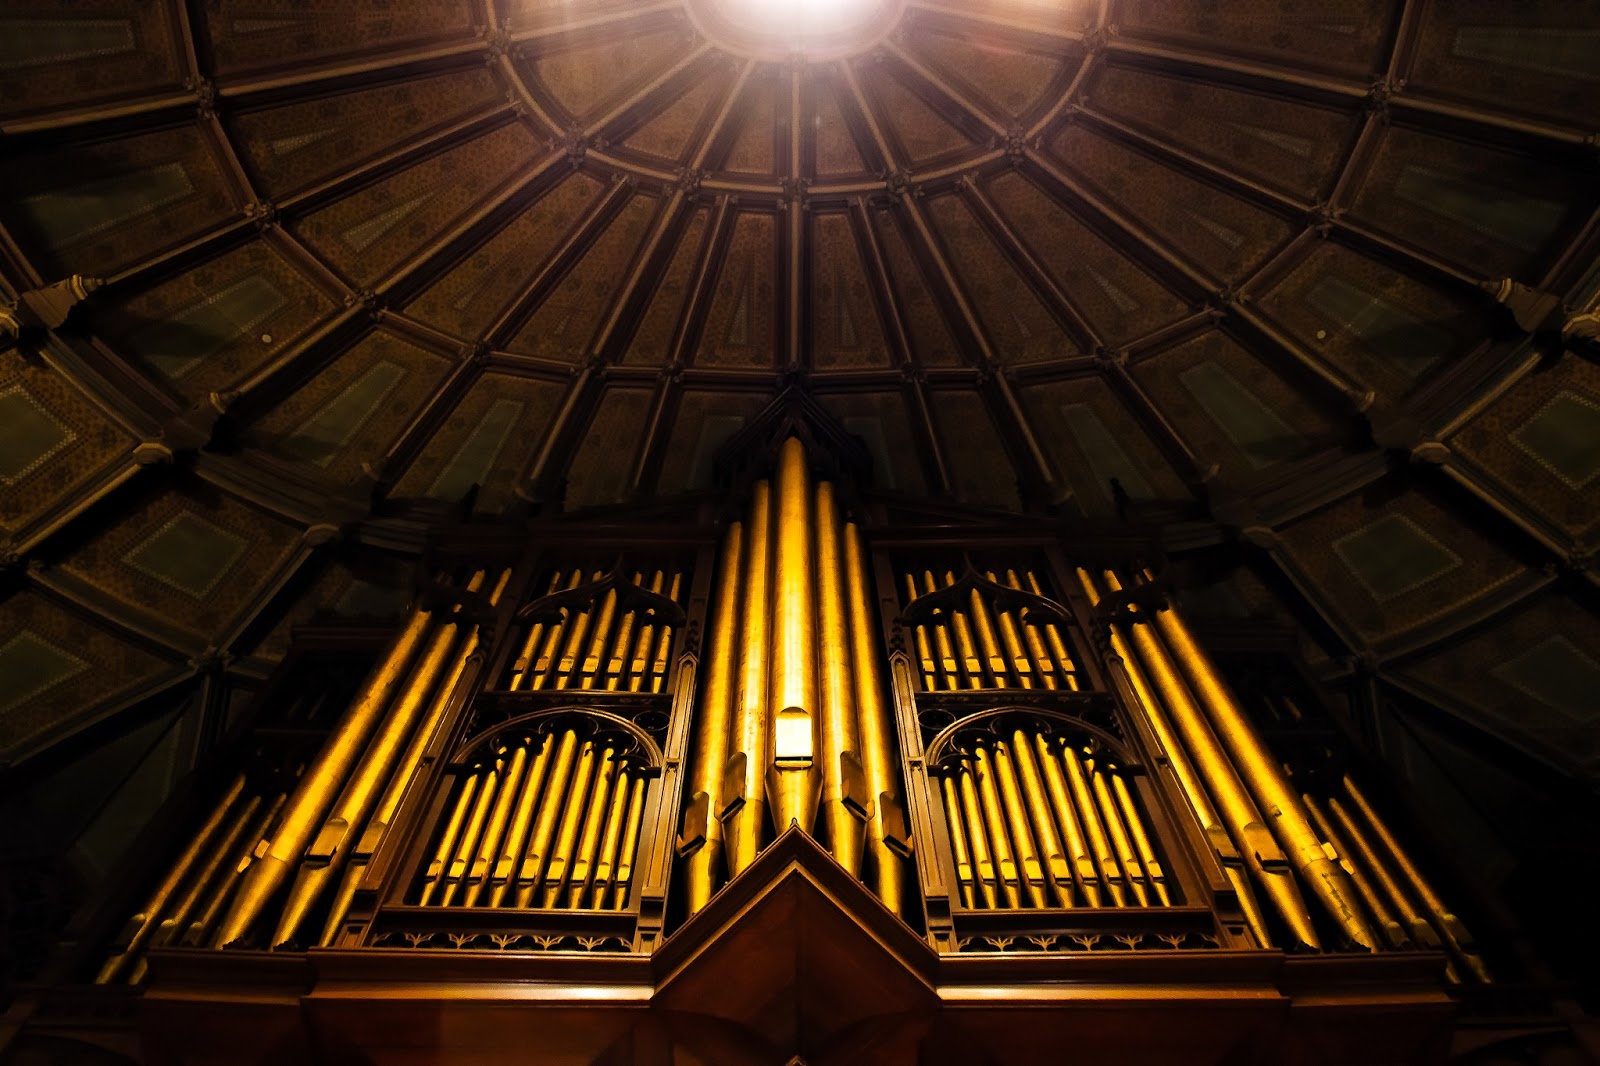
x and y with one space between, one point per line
811 26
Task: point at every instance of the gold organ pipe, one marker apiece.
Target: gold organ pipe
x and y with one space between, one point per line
525 661
630 845
1391 930
840 732
543 670
1051 856
556 872
1141 839
434 875
874 723
532 862
794 782
982 859
605 861
422 738
983 629
489 846
644 646
1265 776
172 926
930 670
1035 642
941 639
1078 848
580 871
566 667
966 647
144 924
1005 858
716 724
505 867
617 660
330 848
1052 636
590 668
744 804
1089 816
1259 850
1120 841
658 670
1188 779
278 856
466 846
958 839
217 896
1029 867
1021 667
1445 921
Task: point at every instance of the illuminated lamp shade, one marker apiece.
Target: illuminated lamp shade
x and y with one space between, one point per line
818 29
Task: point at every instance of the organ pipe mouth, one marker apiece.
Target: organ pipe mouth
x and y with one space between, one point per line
793 739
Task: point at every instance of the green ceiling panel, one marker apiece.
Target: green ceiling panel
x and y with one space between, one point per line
188 553
324 436
1106 456
32 666
1556 673
177 345
475 458
29 434
1563 436
1393 556
1384 327
1260 433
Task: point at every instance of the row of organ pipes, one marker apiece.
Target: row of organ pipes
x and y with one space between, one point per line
793 725
546 821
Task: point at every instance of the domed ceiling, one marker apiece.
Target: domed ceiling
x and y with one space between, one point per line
1228 267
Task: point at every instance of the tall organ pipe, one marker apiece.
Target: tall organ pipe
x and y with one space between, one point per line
793 782
330 849
877 754
317 788
1265 775
744 806
716 722
843 813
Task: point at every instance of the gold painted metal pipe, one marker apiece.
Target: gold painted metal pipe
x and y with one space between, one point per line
1393 934
1053 638
1051 856
572 816
1079 851
433 876
542 673
1258 848
320 784
1261 769
1035 641
590 668
644 646
466 847
966 645
502 876
846 800
1443 919
605 861
580 871
958 839
714 729
616 666
388 805
144 924
550 806
1016 655
567 666
982 859
1005 859
216 897
1227 852
930 669
744 804
329 850
523 666
1029 868
1121 843
659 665
794 781
494 832
1089 816
176 921
887 844
630 845
988 643
942 638
1141 839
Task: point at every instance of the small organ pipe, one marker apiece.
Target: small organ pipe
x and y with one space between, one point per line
537 856
744 804
434 876
844 819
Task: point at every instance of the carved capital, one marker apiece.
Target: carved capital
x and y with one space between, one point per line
263 214
1431 451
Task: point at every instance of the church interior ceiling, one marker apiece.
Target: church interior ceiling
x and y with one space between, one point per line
1225 267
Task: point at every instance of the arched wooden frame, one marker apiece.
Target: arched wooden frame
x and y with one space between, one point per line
644 749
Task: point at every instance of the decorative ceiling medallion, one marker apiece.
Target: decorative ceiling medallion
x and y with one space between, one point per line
777 29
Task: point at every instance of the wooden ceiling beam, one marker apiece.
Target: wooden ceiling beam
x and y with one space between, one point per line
973 111
633 106
614 19
248 89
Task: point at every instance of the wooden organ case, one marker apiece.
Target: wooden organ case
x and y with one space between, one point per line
800 774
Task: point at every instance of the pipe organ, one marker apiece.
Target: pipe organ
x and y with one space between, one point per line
579 740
